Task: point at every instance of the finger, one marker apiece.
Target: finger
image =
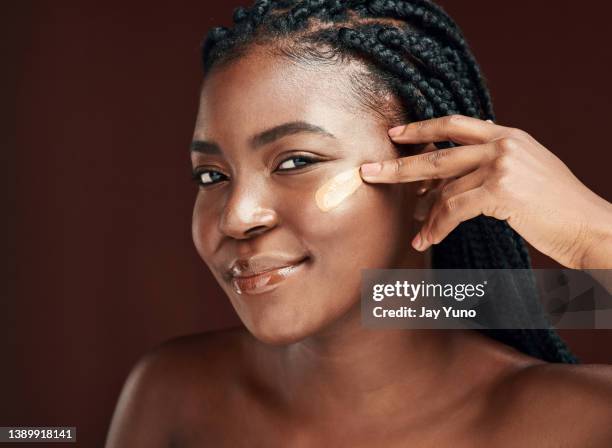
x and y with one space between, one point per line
427 184
429 198
469 182
423 206
457 128
461 184
439 164
457 209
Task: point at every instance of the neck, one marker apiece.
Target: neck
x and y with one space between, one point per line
349 368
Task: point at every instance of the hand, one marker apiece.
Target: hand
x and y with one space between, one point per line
504 173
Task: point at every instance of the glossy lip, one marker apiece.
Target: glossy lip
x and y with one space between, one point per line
265 281
260 263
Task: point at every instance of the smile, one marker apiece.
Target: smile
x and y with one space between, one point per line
265 281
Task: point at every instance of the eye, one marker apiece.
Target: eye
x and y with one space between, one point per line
296 162
205 177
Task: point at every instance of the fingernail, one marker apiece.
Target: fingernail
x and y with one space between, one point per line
370 169
394 132
490 121
416 242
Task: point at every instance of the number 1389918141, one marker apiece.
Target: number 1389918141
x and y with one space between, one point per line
36 434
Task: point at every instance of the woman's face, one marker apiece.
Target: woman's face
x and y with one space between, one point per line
257 208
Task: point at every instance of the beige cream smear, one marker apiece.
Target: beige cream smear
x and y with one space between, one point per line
333 192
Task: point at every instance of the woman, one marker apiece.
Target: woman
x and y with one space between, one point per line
294 95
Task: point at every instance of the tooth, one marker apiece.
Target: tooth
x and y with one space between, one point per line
333 192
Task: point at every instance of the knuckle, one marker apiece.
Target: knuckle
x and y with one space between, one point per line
501 166
419 125
507 145
449 205
518 134
397 167
499 185
434 158
453 119
415 126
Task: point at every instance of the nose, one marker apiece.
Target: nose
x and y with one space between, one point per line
246 213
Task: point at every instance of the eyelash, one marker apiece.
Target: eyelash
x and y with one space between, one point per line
197 174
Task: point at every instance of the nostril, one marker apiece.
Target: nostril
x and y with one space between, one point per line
240 222
256 230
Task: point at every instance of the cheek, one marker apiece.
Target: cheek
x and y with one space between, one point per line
366 230
202 229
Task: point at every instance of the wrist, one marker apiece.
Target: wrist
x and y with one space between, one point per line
597 253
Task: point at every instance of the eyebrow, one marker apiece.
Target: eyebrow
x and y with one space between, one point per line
265 137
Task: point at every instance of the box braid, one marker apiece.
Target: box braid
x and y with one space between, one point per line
413 49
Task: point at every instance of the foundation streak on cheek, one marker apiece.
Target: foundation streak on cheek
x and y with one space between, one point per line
336 190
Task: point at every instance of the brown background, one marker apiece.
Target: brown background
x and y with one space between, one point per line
100 263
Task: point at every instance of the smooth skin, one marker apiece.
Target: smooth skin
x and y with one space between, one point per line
302 371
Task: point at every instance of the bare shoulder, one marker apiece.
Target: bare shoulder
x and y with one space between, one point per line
581 388
185 378
549 403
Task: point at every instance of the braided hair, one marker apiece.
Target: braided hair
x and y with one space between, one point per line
415 51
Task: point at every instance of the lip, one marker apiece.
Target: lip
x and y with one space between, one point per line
261 262
253 281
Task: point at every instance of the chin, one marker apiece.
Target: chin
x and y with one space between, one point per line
280 333
284 328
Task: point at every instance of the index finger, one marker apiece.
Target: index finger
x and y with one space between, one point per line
457 128
439 164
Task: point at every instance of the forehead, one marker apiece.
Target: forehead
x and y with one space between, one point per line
259 90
